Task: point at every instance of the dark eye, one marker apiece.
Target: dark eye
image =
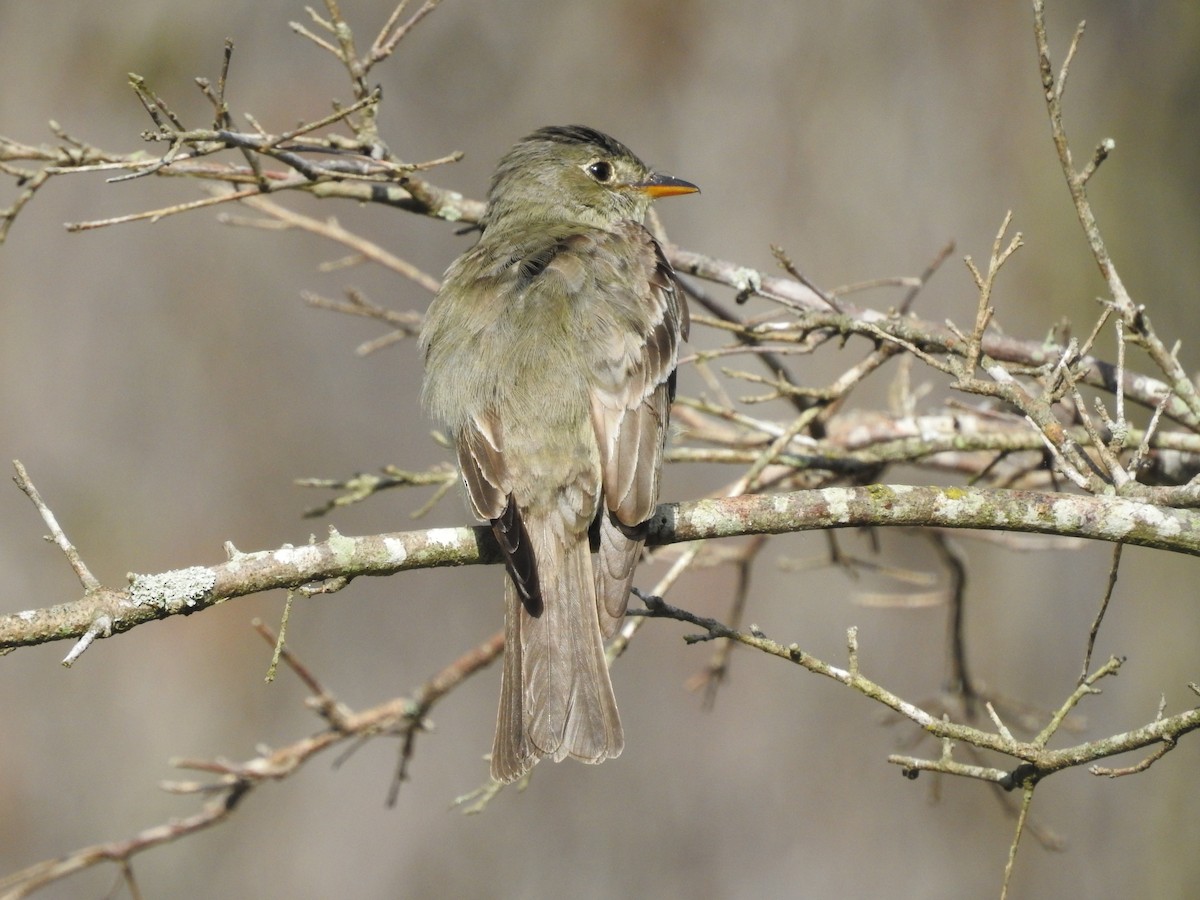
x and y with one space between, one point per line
600 170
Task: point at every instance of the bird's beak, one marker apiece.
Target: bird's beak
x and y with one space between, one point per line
665 186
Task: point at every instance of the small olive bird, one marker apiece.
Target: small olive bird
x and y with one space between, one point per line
550 356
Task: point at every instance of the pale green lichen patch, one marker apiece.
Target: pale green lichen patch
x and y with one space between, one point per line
298 557
707 516
1167 523
957 505
1163 522
450 211
172 590
837 501
746 279
443 537
341 547
1067 519
396 549
1120 519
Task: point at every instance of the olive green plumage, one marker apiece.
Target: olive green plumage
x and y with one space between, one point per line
550 356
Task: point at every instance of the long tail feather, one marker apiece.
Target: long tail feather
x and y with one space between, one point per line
617 556
556 698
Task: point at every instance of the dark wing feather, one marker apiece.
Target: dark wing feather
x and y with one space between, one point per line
519 558
485 475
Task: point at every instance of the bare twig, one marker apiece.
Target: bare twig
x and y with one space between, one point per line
57 535
985 284
333 230
1134 315
1094 630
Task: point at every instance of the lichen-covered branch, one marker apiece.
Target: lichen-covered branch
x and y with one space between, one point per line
341 558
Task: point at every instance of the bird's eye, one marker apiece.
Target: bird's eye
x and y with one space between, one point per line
600 170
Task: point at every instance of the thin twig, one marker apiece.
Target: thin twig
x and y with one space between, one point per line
1094 630
57 535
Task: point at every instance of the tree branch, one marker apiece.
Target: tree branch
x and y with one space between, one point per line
341 558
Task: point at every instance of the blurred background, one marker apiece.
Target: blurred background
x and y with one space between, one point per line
164 384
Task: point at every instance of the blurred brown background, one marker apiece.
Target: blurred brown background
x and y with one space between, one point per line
164 384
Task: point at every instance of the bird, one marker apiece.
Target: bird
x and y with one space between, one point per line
550 355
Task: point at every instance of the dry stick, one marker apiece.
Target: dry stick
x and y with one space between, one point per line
749 480
800 397
154 105
381 39
237 780
405 324
923 279
370 100
363 485
57 535
420 196
769 358
935 337
155 214
1035 760
1072 461
381 48
29 185
1134 315
1094 631
33 878
340 29
958 680
1168 744
222 119
1086 348
332 230
322 700
357 304
788 266
1109 466
319 41
1022 820
749 424
1148 437
985 283
384 44
433 690
717 670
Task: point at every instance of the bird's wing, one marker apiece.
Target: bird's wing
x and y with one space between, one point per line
485 475
633 372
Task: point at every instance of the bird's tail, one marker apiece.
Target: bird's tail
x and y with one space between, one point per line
556 698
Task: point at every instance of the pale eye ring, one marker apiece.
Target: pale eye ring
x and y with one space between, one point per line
601 170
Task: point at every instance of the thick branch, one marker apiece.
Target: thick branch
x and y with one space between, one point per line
342 558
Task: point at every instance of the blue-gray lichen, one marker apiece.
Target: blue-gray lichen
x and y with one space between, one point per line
172 590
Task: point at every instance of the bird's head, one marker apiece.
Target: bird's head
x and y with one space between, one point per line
575 174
